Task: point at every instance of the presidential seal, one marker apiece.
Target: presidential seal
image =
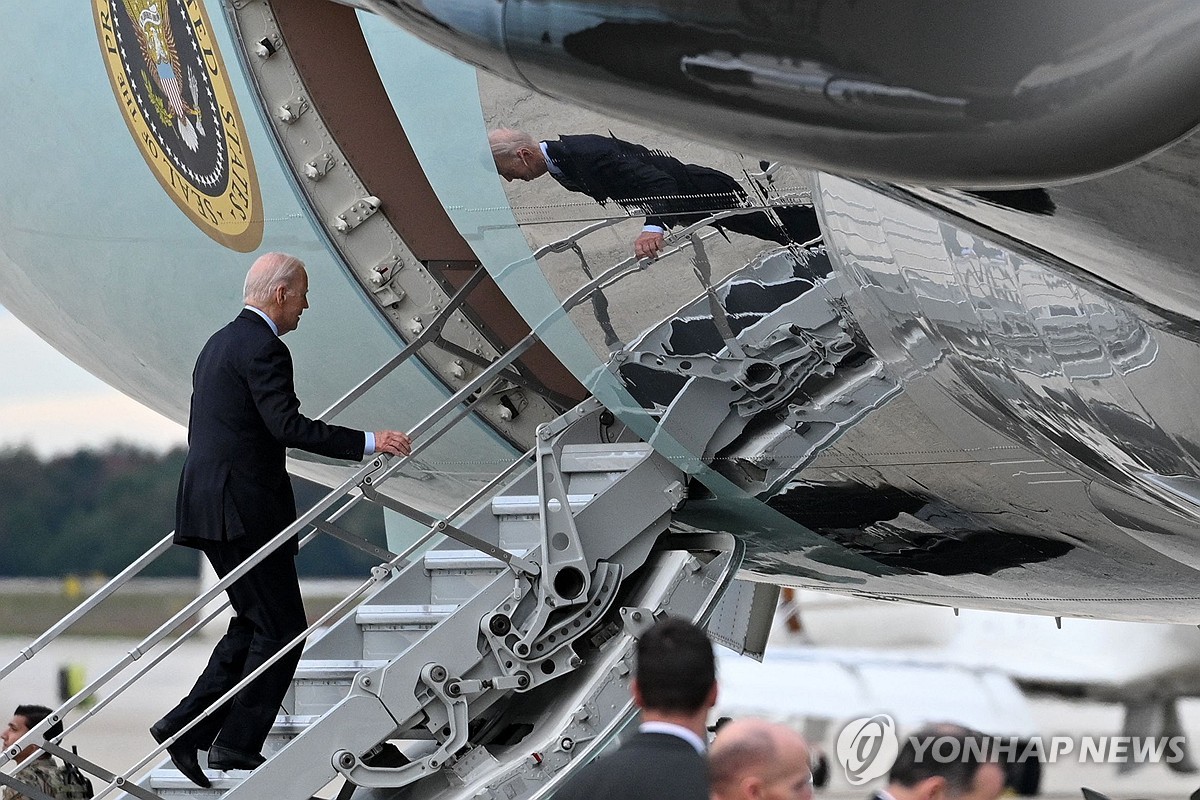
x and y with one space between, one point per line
175 96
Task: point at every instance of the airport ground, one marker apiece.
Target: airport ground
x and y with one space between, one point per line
116 736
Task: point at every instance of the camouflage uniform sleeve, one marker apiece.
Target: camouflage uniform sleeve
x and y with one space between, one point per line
39 775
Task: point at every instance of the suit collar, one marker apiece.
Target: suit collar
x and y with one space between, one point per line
671 729
250 312
565 169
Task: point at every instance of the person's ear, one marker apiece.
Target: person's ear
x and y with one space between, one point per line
932 788
280 294
752 787
711 699
636 691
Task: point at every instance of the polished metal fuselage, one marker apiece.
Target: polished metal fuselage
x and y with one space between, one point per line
965 399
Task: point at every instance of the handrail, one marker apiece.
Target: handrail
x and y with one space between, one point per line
378 574
363 475
430 333
157 550
81 610
193 607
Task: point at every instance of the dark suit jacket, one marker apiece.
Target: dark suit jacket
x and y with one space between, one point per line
244 414
650 766
607 168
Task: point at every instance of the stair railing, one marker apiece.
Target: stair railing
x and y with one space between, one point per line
378 574
427 431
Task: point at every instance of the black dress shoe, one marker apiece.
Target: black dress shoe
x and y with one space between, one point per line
182 755
226 758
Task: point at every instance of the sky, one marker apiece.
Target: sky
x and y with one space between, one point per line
56 407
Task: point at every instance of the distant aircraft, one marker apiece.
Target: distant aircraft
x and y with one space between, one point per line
961 397
921 665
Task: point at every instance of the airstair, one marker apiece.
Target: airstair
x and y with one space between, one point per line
491 661
491 656
483 661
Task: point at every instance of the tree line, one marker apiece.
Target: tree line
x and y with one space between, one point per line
94 511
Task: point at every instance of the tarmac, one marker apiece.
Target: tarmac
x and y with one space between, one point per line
116 737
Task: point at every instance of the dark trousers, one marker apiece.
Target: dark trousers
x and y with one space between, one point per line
269 614
799 224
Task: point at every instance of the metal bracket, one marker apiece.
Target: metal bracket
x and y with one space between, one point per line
293 109
389 295
549 648
319 167
357 214
637 620
265 47
565 570
437 682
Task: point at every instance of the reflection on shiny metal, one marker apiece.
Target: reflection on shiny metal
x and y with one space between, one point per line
1072 372
761 402
941 94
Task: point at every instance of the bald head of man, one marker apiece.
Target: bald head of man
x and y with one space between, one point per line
752 759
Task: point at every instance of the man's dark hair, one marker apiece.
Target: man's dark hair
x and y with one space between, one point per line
35 714
968 747
675 666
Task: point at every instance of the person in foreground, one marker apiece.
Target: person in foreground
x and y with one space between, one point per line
675 686
968 777
667 190
752 759
234 496
43 772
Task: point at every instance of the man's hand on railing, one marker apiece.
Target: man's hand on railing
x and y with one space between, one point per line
395 442
648 245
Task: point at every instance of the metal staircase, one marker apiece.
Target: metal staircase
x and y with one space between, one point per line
494 653
491 662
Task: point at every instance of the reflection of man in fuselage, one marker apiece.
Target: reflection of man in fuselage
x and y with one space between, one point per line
667 190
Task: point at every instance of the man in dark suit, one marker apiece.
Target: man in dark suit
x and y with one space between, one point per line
234 496
920 774
664 188
752 759
675 686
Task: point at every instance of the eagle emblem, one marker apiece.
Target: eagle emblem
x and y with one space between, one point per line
173 91
152 26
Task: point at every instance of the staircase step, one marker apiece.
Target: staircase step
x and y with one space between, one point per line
602 457
286 728
390 630
169 784
319 685
456 575
593 468
531 505
518 518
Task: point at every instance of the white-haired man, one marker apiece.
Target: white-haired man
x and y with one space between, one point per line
234 496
